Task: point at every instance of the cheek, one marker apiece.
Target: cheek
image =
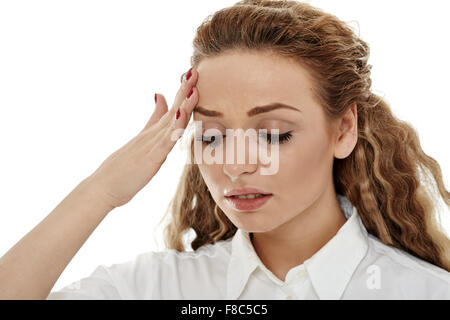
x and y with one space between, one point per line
212 176
304 165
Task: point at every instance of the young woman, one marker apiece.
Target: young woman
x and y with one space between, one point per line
347 213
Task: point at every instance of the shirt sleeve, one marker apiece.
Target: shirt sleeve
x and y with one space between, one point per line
128 280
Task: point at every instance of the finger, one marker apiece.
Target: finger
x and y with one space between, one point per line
190 103
168 135
160 110
180 96
188 106
177 127
159 143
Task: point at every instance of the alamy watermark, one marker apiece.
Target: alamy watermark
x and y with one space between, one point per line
261 147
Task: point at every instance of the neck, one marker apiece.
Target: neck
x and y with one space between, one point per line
292 243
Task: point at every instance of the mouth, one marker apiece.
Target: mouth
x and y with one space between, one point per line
248 201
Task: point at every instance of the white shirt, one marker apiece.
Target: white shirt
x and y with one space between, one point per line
352 265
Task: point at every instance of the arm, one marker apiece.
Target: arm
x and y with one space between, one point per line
31 267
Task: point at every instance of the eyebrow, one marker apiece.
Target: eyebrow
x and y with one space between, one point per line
252 112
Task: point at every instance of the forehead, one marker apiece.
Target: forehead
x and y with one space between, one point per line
245 79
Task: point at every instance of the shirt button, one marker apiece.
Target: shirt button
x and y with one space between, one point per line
288 297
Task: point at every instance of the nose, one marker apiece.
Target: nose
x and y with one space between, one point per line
235 170
243 160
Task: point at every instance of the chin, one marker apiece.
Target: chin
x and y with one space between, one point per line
253 227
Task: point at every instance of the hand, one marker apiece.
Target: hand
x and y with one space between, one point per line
120 177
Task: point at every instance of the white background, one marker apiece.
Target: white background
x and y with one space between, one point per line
77 80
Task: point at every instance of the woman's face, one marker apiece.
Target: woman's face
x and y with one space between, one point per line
236 82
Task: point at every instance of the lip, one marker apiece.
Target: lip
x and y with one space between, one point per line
245 191
248 204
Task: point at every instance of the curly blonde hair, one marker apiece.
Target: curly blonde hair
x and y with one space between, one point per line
393 184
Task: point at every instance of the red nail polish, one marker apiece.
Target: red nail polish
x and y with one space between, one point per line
156 98
178 113
190 93
189 74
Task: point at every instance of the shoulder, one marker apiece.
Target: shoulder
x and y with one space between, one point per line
407 262
168 274
208 252
190 274
407 274
211 257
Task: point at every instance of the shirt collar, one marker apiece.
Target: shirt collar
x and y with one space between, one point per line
329 269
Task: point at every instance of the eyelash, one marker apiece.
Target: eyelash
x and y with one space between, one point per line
282 138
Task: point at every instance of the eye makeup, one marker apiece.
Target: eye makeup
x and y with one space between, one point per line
213 141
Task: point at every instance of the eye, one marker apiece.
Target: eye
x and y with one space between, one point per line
211 141
277 138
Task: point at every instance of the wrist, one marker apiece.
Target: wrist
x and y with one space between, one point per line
95 194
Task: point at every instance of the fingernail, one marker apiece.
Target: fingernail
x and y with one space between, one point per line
190 93
178 113
189 74
156 98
